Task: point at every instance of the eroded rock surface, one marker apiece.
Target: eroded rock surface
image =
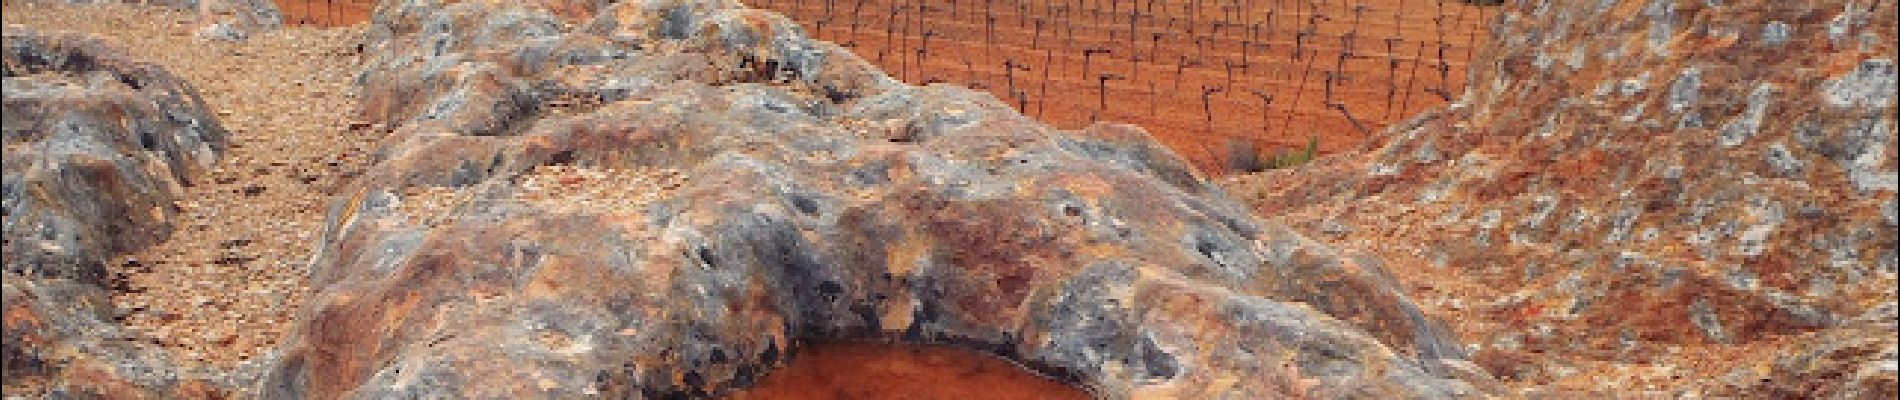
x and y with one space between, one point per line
97 147
1672 197
658 197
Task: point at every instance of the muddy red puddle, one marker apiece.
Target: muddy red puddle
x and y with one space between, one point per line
885 371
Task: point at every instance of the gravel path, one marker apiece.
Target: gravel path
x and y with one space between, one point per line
226 285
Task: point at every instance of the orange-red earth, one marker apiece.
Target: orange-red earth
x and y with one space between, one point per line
884 371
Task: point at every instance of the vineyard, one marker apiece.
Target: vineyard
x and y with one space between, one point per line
1196 73
325 12
1201 75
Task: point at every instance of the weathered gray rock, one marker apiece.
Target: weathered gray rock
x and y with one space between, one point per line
809 196
96 149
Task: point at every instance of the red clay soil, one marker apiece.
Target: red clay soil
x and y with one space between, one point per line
1195 73
882 371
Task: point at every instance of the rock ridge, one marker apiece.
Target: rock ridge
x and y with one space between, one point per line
97 148
790 191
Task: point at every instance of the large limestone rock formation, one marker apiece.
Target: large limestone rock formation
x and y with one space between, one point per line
664 197
1702 189
96 149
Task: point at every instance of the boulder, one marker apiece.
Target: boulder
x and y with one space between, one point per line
667 197
97 148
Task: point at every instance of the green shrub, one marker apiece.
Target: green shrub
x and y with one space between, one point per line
1243 157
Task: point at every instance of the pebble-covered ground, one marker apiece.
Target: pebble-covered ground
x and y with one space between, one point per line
225 286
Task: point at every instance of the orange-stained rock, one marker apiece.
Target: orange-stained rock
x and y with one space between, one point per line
1635 194
61 342
663 200
97 146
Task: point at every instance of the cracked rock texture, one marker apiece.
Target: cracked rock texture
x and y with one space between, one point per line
658 198
1663 197
97 147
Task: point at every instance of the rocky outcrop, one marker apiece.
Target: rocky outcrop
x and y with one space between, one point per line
660 198
1642 182
96 149
62 342
97 146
